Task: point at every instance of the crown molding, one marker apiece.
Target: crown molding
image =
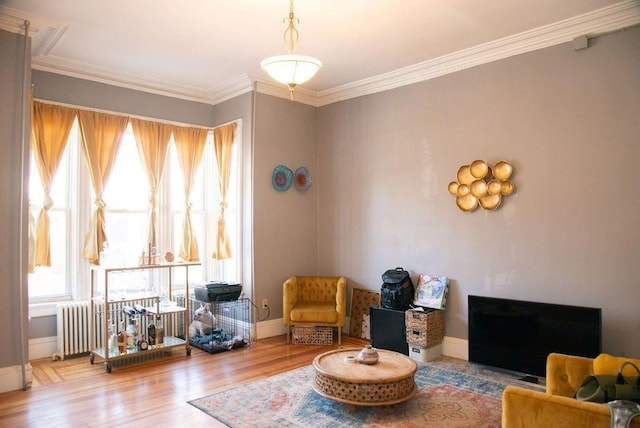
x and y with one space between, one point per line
13 20
300 95
619 16
47 33
230 89
108 76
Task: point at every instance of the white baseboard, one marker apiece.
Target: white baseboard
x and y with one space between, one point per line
11 378
270 328
456 348
451 346
42 347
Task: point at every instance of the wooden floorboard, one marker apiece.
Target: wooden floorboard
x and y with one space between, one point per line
76 393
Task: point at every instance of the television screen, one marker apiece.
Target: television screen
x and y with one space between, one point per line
518 335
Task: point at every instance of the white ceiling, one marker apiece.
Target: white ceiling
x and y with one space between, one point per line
210 50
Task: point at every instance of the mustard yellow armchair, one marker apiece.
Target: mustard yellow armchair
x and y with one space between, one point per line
556 407
314 301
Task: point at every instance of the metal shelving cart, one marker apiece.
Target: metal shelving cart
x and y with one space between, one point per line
107 309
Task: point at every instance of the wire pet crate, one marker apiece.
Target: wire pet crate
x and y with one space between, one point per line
219 326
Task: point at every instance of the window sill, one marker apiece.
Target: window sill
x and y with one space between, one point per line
42 309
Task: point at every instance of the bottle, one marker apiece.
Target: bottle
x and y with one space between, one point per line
151 334
122 340
113 340
143 345
131 334
159 331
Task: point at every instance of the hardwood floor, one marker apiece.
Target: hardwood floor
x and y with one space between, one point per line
76 393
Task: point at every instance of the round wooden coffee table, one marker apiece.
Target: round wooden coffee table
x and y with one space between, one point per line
389 381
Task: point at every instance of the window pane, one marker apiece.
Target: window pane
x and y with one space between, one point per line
127 188
50 281
126 234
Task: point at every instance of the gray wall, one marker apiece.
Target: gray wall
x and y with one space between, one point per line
568 122
285 231
85 93
13 268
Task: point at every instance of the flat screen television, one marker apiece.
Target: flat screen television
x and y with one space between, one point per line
517 335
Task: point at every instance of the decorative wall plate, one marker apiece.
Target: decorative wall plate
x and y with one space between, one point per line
502 170
507 188
302 179
281 178
479 188
490 202
479 184
479 168
464 175
494 187
467 202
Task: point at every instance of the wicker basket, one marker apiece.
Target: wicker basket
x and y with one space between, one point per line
317 335
424 329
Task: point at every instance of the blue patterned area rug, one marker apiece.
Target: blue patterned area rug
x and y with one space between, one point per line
452 393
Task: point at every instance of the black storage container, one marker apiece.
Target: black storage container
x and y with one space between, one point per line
217 291
388 329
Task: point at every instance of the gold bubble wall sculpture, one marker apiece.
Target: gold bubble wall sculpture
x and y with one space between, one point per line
479 184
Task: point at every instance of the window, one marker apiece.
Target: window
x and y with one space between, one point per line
126 215
51 283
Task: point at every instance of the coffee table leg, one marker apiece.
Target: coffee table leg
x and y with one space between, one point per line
351 408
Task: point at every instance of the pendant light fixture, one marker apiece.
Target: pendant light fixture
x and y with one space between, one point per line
291 69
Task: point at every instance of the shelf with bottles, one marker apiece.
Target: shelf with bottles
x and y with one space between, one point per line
137 328
130 304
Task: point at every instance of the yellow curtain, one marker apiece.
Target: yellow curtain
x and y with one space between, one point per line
190 143
51 125
223 138
152 139
101 135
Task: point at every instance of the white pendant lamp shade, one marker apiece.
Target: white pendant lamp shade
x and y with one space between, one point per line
291 69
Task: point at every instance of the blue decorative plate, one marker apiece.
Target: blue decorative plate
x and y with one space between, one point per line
281 178
302 179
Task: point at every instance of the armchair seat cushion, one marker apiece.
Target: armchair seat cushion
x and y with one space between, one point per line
320 312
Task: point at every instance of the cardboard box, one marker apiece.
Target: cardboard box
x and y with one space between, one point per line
421 354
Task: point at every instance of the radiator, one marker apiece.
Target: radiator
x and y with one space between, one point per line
73 329
74 321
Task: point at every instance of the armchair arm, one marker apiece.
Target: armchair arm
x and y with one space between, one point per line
524 408
289 298
565 373
341 300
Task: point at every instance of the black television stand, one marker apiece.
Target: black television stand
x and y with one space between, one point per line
530 379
